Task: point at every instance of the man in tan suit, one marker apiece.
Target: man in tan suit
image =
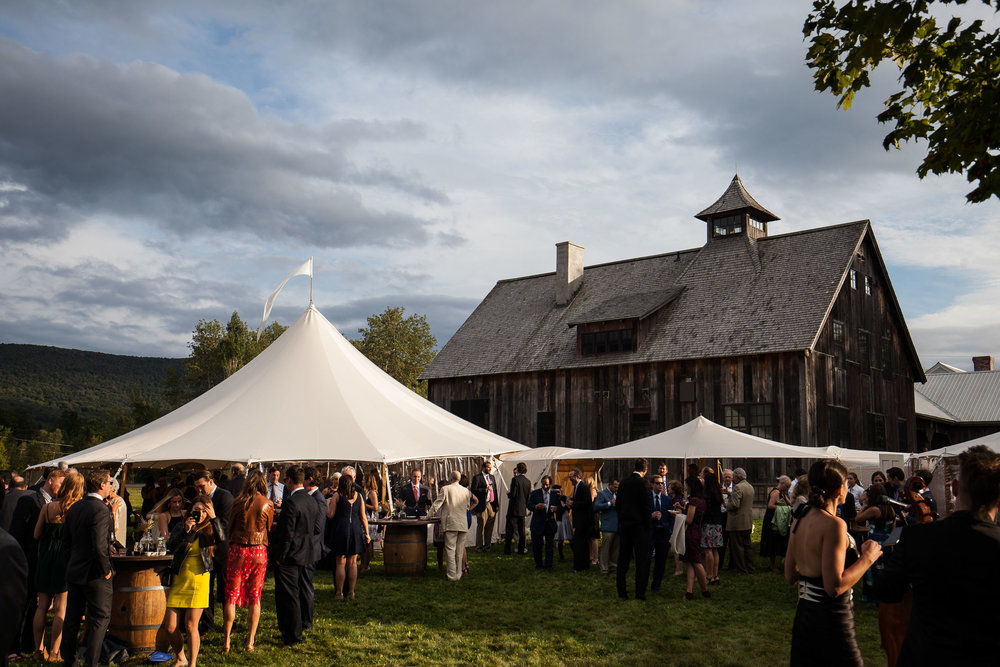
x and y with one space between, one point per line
453 503
739 522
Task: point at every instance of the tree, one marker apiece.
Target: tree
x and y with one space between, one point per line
401 346
950 95
216 353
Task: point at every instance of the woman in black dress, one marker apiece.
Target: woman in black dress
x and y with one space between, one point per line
818 559
349 523
773 543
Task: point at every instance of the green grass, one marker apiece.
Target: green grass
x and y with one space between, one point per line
506 612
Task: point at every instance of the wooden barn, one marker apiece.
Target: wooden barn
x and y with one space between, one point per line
796 337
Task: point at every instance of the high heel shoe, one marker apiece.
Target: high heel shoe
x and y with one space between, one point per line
688 596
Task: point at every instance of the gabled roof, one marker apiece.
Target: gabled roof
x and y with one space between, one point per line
728 306
964 397
941 367
735 199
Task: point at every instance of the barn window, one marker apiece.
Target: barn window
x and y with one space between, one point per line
545 429
864 350
876 432
639 428
838 333
476 411
840 426
605 342
854 279
728 225
752 418
868 285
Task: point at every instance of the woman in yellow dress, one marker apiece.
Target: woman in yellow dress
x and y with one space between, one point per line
192 543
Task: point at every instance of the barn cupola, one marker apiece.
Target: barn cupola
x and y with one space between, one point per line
736 213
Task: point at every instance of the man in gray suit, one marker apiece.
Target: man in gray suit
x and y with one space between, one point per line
739 522
453 503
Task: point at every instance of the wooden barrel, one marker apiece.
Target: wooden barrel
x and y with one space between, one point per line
404 550
139 602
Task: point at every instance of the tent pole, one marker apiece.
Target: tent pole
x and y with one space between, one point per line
387 486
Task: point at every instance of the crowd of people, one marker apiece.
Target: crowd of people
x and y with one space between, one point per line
822 529
65 530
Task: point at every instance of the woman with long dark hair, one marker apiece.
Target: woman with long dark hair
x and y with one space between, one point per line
711 528
694 514
246 564
824 560
193 546
349 535
371 509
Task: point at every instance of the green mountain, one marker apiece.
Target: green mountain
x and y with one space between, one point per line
41 382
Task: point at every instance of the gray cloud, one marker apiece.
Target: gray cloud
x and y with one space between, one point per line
185 153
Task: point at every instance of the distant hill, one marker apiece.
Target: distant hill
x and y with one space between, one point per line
44 381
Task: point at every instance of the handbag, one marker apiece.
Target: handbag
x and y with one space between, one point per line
677 541
782 518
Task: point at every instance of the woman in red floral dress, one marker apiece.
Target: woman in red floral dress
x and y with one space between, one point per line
249 524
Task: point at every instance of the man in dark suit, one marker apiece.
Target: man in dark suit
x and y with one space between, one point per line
222 504
18 488
413 497
659 535
13 587
484 488
237 476
307 591
543 504
635 508
292 545
581 502
87 543
22 529
517 508
951 565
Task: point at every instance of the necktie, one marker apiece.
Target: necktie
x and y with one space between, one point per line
656 497
489 486
272 492
416 493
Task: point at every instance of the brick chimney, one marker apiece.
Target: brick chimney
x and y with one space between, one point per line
569 271
984 363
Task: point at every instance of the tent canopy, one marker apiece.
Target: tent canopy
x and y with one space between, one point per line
992 441
699 438
310 396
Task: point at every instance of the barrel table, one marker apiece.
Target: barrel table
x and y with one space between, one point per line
404 547
139 600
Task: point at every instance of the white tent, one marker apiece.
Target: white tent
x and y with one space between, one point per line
992 441
699 438
310 396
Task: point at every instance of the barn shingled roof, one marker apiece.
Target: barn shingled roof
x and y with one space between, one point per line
728 305
736 198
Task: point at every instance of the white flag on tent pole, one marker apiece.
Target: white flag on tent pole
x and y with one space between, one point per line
306 269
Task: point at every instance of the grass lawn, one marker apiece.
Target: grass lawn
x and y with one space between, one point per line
506 612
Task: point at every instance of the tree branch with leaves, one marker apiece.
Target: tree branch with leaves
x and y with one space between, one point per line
948 74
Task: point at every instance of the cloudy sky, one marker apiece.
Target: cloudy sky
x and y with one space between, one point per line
163 162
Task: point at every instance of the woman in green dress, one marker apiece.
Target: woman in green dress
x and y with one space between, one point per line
50 577
192 543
